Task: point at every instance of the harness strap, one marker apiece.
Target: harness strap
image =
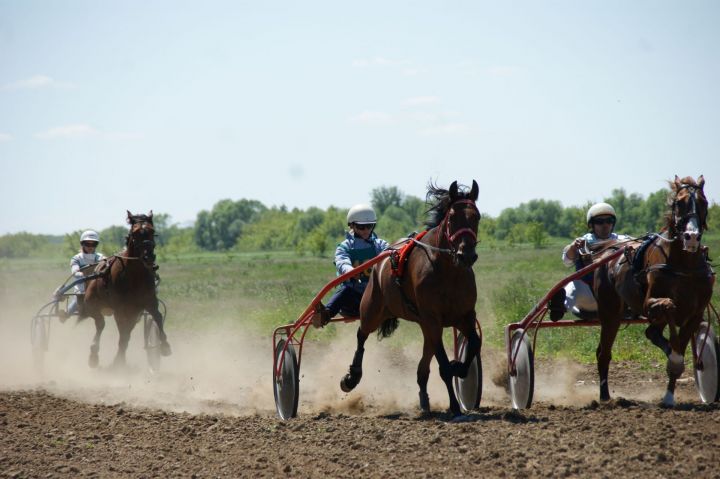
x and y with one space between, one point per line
399 258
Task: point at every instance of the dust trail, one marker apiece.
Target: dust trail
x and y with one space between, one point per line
220 371
560 384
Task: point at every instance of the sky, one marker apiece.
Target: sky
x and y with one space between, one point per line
172 106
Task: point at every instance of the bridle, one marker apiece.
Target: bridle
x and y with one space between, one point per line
452 236
681 221
146 247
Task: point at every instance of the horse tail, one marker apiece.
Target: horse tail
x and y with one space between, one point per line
388 327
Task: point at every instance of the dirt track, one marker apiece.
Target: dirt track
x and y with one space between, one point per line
42 435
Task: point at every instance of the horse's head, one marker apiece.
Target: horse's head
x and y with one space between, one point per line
460 218
141 239
689 209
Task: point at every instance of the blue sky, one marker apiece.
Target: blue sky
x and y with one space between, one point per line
172 106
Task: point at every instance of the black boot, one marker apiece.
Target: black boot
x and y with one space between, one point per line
556 305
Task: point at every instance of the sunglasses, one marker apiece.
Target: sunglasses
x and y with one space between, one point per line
364 227
604 221
90 245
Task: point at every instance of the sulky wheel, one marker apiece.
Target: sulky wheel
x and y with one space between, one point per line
152 342
286 386
706 376
468 389
522 382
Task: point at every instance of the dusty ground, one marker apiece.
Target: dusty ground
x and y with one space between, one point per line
66 435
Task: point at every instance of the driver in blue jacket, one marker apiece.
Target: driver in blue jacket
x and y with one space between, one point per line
360 245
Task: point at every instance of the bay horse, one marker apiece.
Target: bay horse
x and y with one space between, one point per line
127 288
668 280
437 291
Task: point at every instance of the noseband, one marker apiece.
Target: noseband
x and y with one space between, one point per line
452 236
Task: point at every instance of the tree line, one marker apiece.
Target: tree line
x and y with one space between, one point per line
249 225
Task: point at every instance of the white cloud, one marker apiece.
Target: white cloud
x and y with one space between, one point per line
372 118
67 131
447 129
36 82
422 100
4 137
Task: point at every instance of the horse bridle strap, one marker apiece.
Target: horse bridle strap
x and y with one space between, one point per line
452 237
693 213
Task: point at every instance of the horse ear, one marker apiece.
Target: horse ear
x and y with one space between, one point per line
129 217
677 182
150 217
701 181
474 191
453 190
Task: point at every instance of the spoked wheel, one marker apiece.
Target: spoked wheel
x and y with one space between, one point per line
523 382
706 376
286 386
468 389
152 342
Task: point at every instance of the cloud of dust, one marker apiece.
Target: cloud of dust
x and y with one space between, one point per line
222 371
560 383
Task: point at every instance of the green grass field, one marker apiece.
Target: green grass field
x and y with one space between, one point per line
255 292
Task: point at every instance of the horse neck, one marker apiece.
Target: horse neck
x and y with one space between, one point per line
674 255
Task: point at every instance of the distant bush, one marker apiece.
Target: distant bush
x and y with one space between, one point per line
25 245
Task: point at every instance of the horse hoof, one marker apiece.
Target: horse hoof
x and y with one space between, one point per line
347 383
456 367
93 361
668 400
165 349
425 403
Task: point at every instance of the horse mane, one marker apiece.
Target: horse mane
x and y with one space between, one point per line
439 201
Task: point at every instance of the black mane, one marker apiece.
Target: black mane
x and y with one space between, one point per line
439 202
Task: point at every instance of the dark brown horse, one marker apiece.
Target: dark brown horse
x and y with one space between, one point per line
438 291
669 281
127 288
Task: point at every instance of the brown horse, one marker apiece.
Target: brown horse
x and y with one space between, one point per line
669 281
127 288
438 291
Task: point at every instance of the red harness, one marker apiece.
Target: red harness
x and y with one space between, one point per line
399 258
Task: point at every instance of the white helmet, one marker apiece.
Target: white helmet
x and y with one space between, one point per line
89 235
361 214
599 209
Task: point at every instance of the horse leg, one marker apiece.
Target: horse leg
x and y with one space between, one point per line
460 368
423 374
654 334
661 311
154 311
608 332
446 369
93 360
124 324
676 359
352 379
